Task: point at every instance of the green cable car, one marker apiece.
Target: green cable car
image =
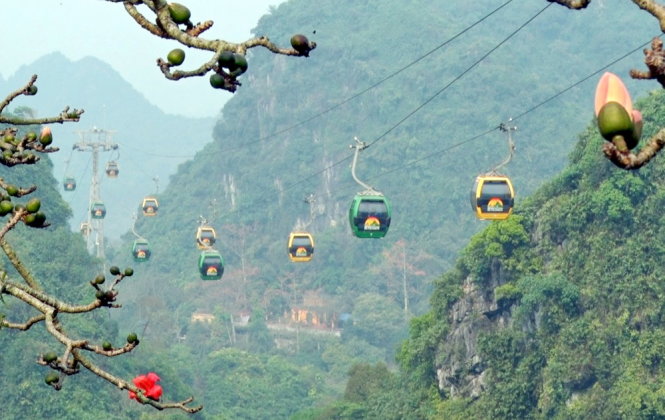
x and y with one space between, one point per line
370 215
370 211
98 210
492 197
211 265
141 250
69 184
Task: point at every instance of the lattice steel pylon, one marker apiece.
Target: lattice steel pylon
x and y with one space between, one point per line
94 141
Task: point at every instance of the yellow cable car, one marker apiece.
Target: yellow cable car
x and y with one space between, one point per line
492 197
150 206
300 246
112 169
205 237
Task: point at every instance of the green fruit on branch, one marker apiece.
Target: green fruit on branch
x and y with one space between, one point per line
33 205
179 13
12 190
6 207
132 338
38 219
50 357
300 43
51 378
217 81
114 270
226 59
240 62
176 56
614 120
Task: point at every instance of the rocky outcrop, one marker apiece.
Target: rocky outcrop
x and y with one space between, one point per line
462 373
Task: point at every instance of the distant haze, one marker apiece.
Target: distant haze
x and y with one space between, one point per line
80 28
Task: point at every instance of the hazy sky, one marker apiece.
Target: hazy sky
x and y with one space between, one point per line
80 28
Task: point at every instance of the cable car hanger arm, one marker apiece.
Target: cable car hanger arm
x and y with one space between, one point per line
359 145
511 145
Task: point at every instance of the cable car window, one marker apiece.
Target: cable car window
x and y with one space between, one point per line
372 207
495 188
301 241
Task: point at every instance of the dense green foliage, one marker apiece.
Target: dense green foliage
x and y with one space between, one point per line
576 277
251 180
582 290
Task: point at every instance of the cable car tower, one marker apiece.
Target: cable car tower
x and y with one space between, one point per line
94 141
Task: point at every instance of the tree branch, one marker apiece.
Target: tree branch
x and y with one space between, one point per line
189 36
16 93
16 262
25 326
122 384
656 10
631 161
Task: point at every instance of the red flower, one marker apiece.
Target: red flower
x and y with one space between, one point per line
147 384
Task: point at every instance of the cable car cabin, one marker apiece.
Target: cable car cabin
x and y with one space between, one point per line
211 265
492 197
85 228
300 246
369 215
141 250
150 206
112 169
98 210
205 237
69 184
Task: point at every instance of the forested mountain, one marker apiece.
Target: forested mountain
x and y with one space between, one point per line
268 340
150 143
556 312
286 136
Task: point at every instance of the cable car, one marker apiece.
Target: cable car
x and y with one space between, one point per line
369 215
492 197
205 237
98 210
112 169
141 250
85 228
69 184
211 265
300 246
150 206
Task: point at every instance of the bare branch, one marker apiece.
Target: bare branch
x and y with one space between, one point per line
24 326
12 222
16 93
16 262
631 161
657 10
